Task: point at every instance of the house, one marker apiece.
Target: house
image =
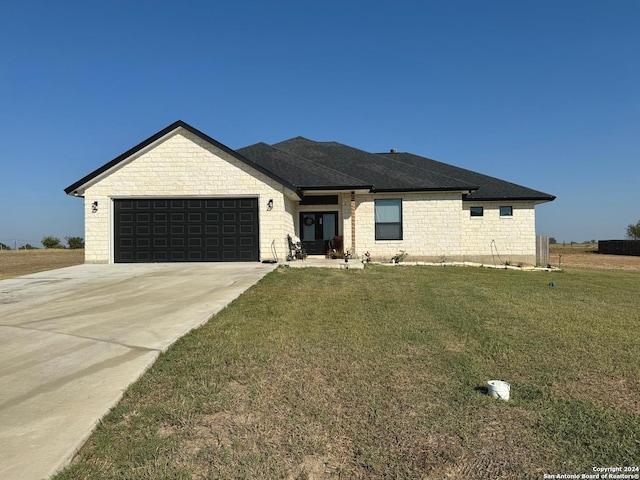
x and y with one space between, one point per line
182 196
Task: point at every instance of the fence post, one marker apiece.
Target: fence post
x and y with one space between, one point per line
542 250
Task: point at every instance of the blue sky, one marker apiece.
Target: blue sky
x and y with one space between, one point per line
545 94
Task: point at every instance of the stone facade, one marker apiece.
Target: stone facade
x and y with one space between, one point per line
495 239
184 165
437 227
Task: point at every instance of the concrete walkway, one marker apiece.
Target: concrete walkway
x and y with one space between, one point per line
73 339
320 261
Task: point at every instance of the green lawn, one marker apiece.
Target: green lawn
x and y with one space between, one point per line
381 373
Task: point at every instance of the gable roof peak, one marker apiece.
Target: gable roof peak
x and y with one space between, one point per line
77 189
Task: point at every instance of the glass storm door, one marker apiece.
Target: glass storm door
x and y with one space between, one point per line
316 229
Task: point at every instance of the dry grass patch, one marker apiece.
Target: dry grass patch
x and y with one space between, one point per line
609 392
585 255
15 263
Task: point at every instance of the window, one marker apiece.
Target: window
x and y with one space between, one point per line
477 211
388 214
506 211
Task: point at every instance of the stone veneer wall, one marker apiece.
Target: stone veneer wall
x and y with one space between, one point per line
437 227
430 227
495 239
184 165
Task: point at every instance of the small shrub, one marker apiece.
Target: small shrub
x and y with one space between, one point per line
51 242
75 242
399 257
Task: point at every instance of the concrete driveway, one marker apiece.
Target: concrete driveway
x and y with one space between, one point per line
73 339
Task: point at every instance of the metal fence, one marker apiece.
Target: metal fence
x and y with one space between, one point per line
619 247
542 250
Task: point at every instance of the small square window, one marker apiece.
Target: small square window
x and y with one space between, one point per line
506 211
477 211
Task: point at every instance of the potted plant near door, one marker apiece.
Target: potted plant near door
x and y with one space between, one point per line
335 247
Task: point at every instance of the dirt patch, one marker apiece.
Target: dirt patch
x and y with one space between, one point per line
587 256
618 393
14 263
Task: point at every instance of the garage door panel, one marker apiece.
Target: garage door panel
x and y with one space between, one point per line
143 256
247 217
161 256
186 230
246 242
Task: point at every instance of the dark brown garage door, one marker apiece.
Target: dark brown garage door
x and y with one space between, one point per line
186 230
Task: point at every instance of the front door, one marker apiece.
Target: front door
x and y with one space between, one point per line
316 229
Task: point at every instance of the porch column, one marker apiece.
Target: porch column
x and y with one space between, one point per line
353 223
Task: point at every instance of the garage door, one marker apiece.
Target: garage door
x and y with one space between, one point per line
186 230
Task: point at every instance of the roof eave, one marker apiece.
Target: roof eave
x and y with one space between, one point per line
425 189
549 198
335 188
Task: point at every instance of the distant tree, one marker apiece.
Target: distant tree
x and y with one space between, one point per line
51 242
552 240
633 231
28 246
4 247
75 242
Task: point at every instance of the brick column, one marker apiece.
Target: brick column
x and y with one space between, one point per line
353 224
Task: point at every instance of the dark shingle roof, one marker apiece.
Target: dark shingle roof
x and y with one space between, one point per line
309 164
383 174
299 171
491 188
